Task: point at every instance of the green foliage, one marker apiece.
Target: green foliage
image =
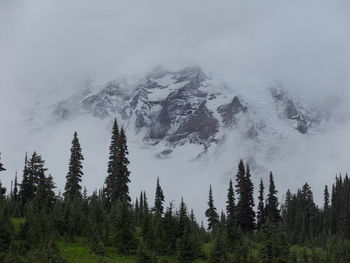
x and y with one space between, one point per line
38 226
244 189
123 235
274 246
210 213
75 172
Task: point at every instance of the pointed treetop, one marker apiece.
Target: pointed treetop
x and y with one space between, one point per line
2 168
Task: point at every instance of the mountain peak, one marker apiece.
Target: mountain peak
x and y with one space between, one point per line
185 106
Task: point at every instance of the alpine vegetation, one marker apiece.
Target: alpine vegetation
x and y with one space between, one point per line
39 224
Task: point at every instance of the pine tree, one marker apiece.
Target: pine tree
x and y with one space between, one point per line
2 189
75 172
251 204
182 217
219 253
15 189
326 210
122 180
159 200
231 224
274 247
210 213
230 203
187 246
46 196
272 211
261 206
2 168
244 189
123 228
147 226
33 172
26 188
111 190
6 231
170 230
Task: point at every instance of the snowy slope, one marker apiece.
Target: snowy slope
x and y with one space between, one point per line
175 108
182 126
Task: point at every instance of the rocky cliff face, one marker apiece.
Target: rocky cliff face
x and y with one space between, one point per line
186 106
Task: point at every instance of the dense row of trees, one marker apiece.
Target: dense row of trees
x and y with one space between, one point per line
33 218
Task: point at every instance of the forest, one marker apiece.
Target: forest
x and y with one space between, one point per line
40 224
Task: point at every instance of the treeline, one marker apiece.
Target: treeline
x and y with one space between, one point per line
33 218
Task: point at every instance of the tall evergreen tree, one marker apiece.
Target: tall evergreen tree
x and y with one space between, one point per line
272 211
45 195
159 200
122 180
230 203
15 189
111 190
182 217
33 173
26 187
261 206
250 194
244 189
326 211
75 172
231 222
210 213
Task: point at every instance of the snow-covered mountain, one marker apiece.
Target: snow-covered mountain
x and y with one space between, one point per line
172 109
182 126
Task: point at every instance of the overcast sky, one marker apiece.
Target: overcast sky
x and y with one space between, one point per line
54 46
305 44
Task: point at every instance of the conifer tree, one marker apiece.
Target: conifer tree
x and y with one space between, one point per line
75 172
261 206
2 189
210 213
26 187
188 247
170 230
231 222
192 216
219 253
33 172
272 211
159 200
122 228
141 208
111 190
122 180
222 219
250 194
2 168
244 189
230 203
274 247
147 227
15 189
182 217
326 210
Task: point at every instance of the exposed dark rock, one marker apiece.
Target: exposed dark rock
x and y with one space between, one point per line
291 111
200 123
194 74
228 111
